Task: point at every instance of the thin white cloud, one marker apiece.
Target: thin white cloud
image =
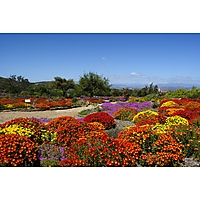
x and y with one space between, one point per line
135 74
103 58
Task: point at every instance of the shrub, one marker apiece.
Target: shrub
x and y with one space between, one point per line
62 121
50 155
98 125
152 121
29 127
102 117
176 120
89 111
42 106
16 150
125 114
69 130
156 150
94 151
170 123
148 115
169 152
169 104
16 129
189 136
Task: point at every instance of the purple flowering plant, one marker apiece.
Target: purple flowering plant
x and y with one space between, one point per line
50 155
42 120
111 108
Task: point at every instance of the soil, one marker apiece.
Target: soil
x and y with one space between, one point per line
48 114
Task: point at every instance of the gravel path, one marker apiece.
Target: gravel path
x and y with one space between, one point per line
49 114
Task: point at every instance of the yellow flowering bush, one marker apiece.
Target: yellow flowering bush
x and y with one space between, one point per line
160 128
170 121
16 129
169 104
176 120
144 115
45 134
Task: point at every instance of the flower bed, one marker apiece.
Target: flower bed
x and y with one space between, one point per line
35 103
111 108
163 138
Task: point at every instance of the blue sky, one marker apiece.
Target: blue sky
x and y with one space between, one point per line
122 58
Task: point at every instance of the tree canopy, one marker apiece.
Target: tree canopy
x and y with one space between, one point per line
64 85
17 84
93 84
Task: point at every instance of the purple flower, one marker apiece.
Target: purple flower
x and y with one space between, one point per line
51 154
113 107
43 120
80 119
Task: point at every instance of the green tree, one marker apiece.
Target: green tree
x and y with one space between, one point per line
143 92
156 89
116 92
135 92
40 90
92 84
17 84
150 89
64 85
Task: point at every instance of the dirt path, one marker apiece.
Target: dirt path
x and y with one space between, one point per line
6 116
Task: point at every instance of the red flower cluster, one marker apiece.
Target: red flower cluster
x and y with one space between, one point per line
102 117
186 108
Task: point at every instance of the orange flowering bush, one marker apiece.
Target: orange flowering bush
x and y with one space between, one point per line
17 150
125 114
152 121
143 138
168 152
189 136
153 147
42 106
98 125
94 151
68 129
102 117
98 149
62 121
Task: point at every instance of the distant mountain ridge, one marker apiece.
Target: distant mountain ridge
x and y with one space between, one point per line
167 86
